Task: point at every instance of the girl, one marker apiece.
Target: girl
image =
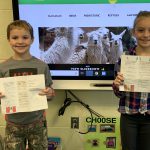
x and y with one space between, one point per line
134 121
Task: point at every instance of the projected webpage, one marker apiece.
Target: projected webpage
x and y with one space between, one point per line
78 15
84 22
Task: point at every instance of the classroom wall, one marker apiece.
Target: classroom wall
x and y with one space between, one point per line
102 101
5 17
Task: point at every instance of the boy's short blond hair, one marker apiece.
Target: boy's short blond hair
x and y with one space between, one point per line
20 24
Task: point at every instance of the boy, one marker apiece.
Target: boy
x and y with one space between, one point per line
26 126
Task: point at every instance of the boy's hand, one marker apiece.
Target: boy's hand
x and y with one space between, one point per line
48 91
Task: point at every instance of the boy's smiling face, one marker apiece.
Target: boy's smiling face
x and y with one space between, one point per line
20 41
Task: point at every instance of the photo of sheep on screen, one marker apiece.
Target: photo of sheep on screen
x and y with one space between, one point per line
84 45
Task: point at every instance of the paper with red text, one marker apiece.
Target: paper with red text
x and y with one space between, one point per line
22 94
136 72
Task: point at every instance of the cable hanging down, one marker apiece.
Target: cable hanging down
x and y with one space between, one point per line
69 101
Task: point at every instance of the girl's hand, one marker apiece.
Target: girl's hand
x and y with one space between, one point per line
48 91
1 95
119 80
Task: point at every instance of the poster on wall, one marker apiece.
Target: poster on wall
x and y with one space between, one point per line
104 133
54 143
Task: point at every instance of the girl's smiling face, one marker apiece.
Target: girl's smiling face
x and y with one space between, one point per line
142 32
